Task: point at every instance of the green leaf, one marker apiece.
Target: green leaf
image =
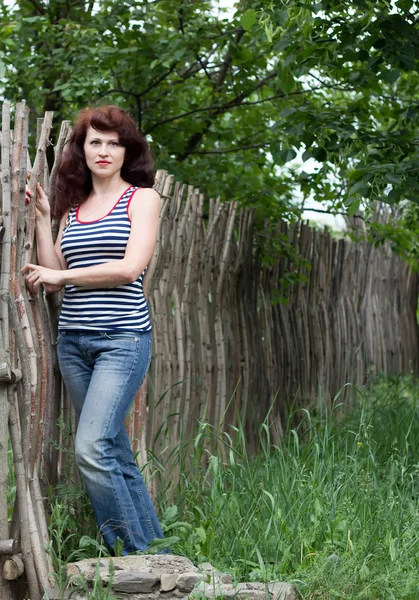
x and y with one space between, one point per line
391 76
284 43
33 19
118 547
286 81
288 111
170 513
286 155
393 179
158 544
319 154
412 183
86 541
200 532
353 207
394 195
248 19
405 4
360 187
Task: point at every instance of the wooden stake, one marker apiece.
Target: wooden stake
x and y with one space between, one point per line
5 588
28 559
13 567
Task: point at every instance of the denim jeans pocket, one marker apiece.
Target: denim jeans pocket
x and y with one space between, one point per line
121 335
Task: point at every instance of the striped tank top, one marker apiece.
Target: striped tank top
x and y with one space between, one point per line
89 243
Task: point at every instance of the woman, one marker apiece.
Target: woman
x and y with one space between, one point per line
108 225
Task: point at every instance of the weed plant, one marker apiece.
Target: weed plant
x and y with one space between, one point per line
333 508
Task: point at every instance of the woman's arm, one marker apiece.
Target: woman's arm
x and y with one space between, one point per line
144 213
49 255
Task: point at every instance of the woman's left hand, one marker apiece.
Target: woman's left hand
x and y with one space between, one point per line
35 275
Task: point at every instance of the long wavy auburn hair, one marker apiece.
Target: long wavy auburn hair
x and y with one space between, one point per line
74 180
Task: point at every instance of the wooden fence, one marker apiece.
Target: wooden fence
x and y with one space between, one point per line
223 351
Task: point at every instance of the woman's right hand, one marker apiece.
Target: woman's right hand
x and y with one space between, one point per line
42 207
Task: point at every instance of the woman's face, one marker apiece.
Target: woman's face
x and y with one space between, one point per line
104 155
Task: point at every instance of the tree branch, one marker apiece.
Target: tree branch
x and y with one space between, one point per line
158 80
196 138
333 214
41 9
190 72
225 107
115 91
214 37
231 149
227 61
204 67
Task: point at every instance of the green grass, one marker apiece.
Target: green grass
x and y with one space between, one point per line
334 508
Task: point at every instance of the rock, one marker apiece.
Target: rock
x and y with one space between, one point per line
169 577
208 569
250 591
149 563
282 591
215 591
131 581
168 581
187 581
73 570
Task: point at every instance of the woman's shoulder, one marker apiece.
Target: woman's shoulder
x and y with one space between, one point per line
145 192
144 195
144 200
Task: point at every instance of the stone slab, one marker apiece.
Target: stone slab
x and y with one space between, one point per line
168 581
171 577
187 581
150 563
251 591
135 581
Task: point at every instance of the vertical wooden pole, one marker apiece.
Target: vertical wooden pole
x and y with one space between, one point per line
5 586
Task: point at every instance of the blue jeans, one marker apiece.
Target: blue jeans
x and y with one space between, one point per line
102 373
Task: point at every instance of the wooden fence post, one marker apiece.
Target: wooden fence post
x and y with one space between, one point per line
24 369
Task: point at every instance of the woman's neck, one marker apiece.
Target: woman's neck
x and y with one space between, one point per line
107 186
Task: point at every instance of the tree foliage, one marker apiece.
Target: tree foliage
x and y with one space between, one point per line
232 104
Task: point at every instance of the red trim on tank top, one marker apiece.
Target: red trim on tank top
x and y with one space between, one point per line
101 218
129 202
